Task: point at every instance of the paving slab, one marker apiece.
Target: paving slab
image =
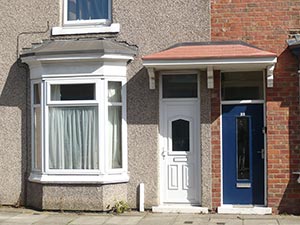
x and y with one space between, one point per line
24 219
289 221
226 221
158 219
59 219
4 215
90 220
260 222
193 219
123 220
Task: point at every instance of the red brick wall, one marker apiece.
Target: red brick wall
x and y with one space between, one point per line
267 24
216 144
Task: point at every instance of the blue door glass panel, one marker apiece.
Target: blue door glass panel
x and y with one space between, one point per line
249 190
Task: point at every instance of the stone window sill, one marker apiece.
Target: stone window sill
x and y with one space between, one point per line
96 29
79 179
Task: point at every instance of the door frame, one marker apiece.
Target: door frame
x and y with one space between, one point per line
161 138
242 102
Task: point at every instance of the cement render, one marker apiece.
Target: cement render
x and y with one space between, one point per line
205 138
144 24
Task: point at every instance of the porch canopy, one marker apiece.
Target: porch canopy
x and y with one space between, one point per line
210 56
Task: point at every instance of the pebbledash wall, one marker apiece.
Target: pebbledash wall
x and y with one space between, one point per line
267 25
149 25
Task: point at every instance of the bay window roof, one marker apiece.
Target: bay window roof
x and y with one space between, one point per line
86 46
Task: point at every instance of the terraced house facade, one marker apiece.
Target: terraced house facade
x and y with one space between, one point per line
196 104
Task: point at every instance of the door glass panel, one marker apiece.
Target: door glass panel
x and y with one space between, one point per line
243 148
181 135
242 86
180 86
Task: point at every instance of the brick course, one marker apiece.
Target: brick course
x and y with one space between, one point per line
267 24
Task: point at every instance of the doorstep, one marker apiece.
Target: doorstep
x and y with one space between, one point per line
246 210
179 209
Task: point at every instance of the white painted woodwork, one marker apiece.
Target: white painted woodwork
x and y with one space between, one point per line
180 172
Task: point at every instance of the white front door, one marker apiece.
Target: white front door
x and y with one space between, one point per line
180 150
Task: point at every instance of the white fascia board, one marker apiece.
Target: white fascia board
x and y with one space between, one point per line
216 63
83 57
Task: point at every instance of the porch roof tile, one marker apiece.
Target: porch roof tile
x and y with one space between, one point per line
209 50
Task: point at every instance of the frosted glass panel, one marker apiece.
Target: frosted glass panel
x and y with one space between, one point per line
37 139
243 148
181 135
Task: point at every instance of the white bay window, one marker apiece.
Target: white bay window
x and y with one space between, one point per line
79 128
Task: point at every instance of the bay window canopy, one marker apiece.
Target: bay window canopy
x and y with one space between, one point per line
225 56
78 111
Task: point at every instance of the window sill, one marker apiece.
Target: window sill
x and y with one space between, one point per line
96 29
79 179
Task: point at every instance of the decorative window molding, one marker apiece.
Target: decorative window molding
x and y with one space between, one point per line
74 99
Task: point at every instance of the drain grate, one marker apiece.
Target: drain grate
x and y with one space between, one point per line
188 222
220 223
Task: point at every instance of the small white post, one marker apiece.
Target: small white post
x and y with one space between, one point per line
142 197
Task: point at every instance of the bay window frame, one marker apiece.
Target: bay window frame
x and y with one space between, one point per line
104 174
33 107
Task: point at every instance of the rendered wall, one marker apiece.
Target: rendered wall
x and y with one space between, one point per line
151 26
267 25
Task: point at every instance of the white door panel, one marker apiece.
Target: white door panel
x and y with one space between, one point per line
180 158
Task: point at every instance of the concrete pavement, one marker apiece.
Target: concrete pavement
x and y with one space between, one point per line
12 216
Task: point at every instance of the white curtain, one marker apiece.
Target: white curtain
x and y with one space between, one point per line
73 138
115 124
114 136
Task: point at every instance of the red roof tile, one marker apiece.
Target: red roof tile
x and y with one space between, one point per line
209 51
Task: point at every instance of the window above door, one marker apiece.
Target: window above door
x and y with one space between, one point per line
242 86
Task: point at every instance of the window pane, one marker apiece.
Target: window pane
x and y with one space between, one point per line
243 147
73 138
37 94
115 136
242 86
87 9
37 139
180 135
114 91
63 92
179 86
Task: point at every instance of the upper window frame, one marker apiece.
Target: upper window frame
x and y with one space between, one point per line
105 22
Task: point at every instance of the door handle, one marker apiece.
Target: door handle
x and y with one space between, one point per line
262 152
163 153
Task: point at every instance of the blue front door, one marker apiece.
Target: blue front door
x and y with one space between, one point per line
243 154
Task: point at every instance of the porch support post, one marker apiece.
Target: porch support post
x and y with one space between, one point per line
151 75
270 75
210 77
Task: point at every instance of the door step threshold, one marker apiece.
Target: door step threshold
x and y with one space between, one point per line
179 209
246 210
